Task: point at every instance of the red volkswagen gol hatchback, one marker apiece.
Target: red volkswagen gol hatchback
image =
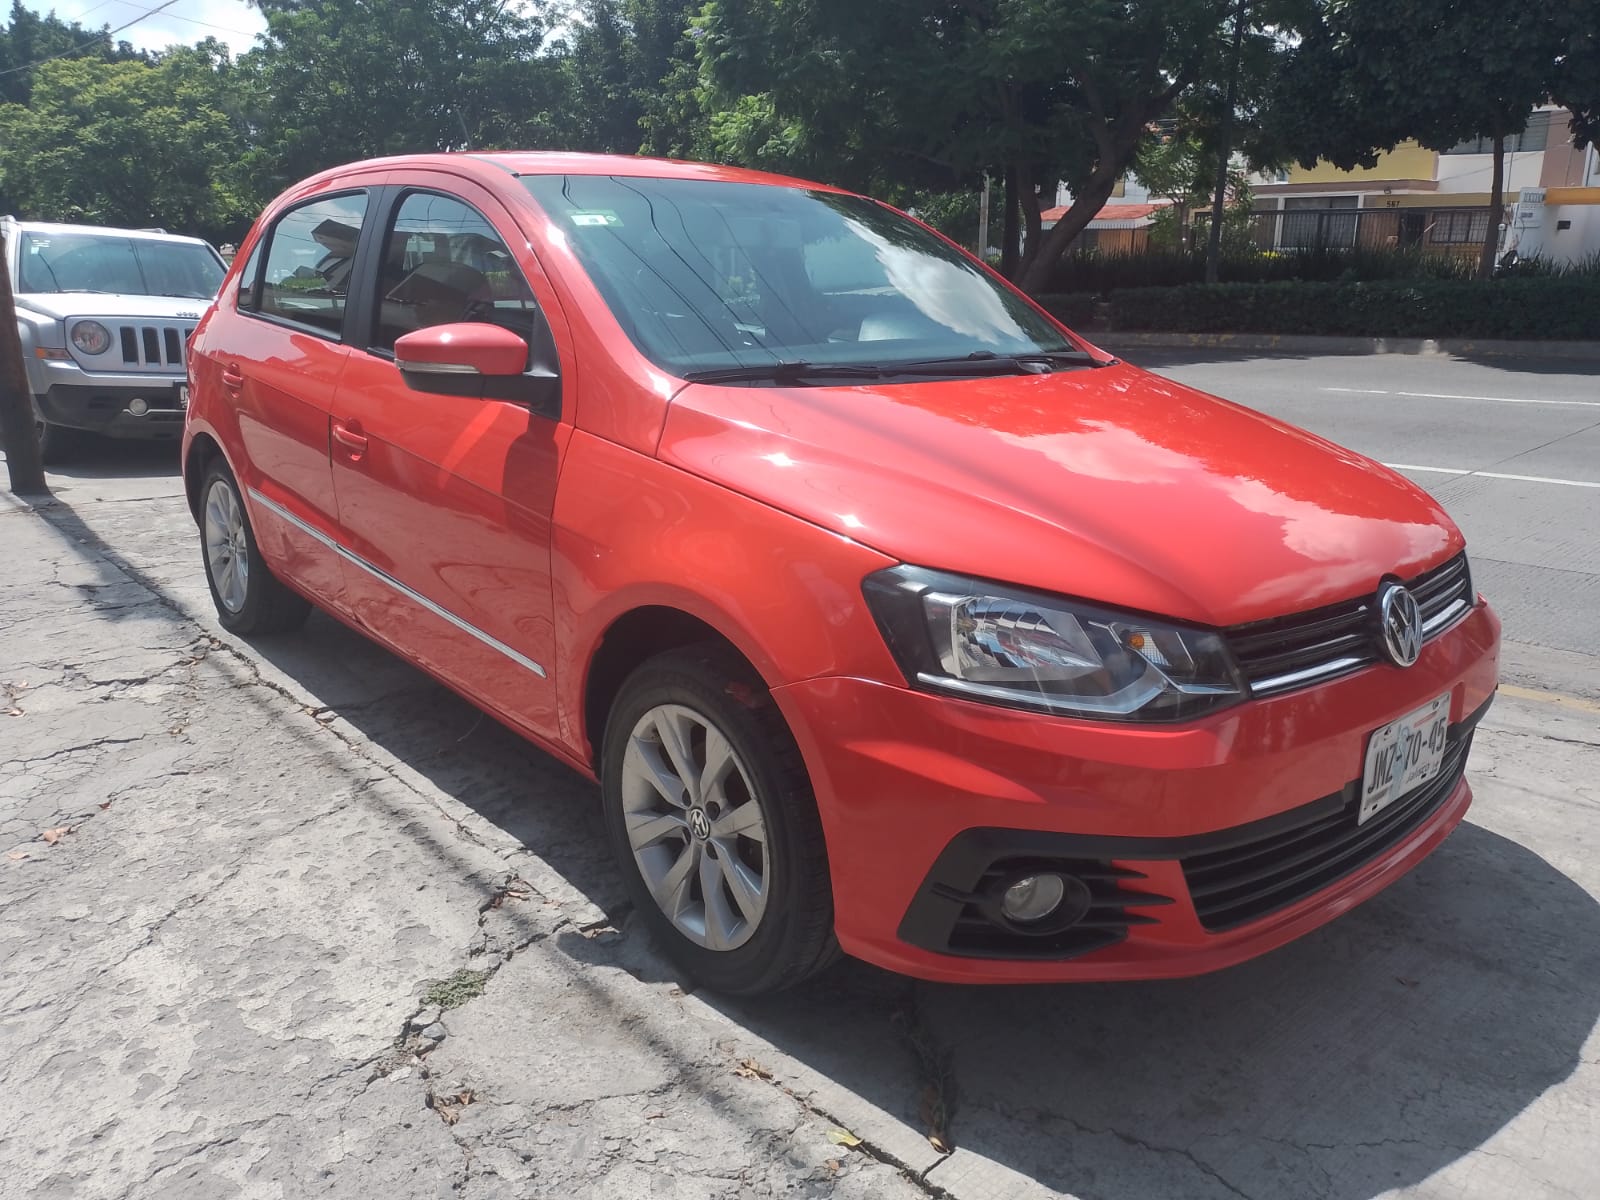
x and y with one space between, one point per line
891 617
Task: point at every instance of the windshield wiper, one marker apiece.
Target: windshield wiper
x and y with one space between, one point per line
784 372
986 362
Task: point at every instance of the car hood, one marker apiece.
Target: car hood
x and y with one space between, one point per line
1108 484
61 305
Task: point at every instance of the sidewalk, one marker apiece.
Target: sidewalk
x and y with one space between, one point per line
288 920
222 923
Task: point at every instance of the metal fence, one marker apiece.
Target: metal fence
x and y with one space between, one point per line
1457 231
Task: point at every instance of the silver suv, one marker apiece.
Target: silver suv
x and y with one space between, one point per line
105 317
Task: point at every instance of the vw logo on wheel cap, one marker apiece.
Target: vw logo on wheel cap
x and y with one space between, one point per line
1401 621
699 823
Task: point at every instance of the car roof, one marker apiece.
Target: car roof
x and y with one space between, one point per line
488 164
152 235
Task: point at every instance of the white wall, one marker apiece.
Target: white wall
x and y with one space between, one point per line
1474 172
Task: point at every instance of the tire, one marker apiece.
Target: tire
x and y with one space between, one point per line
746 940
249 598
58 444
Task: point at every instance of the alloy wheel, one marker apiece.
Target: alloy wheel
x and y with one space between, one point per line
227 549
696 829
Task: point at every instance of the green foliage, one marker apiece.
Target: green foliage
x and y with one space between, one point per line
128 143
1535 308
1088 271
1075 311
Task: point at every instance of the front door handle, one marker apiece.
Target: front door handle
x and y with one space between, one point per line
351 438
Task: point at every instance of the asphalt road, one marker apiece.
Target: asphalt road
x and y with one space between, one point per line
1510 447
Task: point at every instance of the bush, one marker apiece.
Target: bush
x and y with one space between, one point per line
1092 271
1075 311
1553 307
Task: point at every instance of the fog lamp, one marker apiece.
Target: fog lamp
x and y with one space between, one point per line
138 407
1032 898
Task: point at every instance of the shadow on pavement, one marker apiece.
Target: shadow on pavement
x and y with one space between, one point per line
116 458
1364 1057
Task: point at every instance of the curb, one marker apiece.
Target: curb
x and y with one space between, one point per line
1306 344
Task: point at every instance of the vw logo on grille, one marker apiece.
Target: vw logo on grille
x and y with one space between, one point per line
1402 624
699 823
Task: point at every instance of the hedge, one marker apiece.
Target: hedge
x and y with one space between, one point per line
1537 308
1075 310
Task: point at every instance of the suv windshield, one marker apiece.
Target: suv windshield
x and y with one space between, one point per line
710 278
104 262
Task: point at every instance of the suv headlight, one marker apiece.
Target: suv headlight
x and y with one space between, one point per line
1006 645
91 337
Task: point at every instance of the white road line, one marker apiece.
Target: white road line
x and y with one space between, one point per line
1451 396
1583 483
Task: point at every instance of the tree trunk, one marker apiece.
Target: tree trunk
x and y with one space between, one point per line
1011 230
1219 200
1028 192
16 400
1491 236
1084 207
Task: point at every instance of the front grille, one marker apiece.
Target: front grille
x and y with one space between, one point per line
1284 653
154 347
1260 873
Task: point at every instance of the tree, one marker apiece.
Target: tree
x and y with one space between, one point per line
1376 72
129 143
633 79
338 80
17 429
906 93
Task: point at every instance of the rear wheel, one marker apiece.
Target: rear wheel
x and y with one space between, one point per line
249 597
714 824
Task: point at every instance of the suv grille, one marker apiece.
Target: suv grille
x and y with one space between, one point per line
1261 874
154 347
1283 653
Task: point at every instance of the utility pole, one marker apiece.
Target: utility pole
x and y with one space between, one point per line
16 399
1225 148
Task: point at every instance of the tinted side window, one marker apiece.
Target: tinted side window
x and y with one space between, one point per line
249 293
444 262
309 257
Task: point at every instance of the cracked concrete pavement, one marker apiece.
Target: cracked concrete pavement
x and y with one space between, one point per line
287 919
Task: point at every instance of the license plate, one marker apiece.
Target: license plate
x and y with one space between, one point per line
1402 755
183 395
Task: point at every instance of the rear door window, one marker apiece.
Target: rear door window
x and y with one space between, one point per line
309 257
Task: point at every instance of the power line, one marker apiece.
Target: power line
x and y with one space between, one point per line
96 40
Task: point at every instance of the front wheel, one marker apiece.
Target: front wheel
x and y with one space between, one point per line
249 598
714 824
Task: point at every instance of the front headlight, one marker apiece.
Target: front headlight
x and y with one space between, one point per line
1025 649
91 337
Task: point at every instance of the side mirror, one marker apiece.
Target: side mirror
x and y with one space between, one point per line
482 361
467 348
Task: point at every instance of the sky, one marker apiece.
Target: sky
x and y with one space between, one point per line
186 21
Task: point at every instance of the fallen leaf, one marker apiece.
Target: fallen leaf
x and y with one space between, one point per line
938 1143
52 836
843 1137
13 711
105 806
16 855
835 1165
749 1068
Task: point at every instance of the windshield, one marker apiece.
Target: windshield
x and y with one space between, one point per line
103 262
706 276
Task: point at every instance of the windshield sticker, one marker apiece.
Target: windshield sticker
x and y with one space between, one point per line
602 217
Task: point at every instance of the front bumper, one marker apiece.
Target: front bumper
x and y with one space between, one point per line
104 408
909 783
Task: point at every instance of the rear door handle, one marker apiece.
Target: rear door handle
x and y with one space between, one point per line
351 438
231 378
